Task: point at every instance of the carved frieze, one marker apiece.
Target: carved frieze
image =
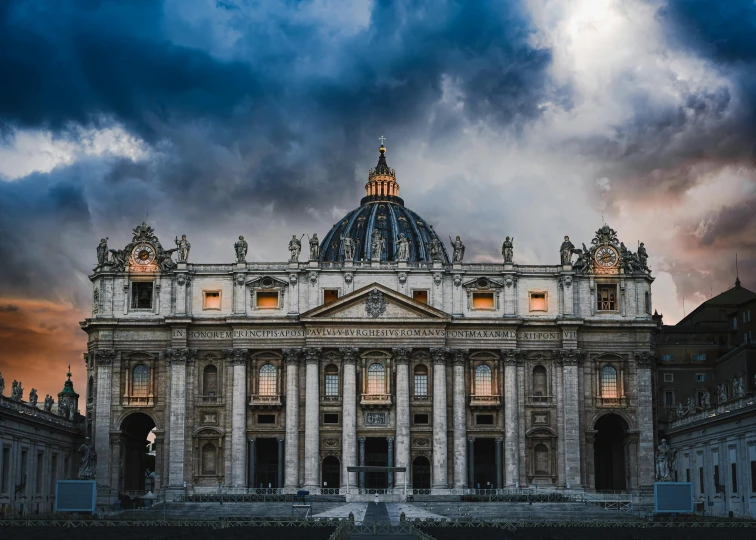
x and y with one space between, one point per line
236 356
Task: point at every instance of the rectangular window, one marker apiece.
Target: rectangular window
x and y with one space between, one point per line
332 384
606 296
667 357
212 300
66 471
669 398
717 484
141 295
267 299
700 377
734 474
735 323
329 295
482 301
266 418
484 419
331 418
701 485
699 357
537 301
40 460
753 477
669 377
421 419
420 296
6 470
53 473
421 384
687 475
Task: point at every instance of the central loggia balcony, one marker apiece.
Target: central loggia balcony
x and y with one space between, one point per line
376 401
485 402
260 401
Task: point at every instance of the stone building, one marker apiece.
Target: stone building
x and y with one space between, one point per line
378 349
38 446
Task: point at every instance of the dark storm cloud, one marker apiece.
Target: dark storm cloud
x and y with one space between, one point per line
8 308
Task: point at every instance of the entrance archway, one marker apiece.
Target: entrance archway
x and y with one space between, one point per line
609 453
421 473
331 472
136 459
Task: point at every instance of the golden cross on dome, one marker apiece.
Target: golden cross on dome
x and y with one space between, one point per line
382 139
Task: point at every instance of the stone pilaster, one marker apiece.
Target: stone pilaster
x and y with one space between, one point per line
644 361
439 476
238 360
471 462
390 459
571 408
459 417
401 359
177 360
291 468
349 416
312 418
590 441
251 463
101 433
362 461
510 357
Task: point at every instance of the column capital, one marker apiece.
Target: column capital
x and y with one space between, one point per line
459 356
439 355
312 355
251 439
498 440
390 440
180 356
104 357
361 440
401 354
568 357
349 354
471 440
511 356
280 439
590 435
236 356
644 359
292 356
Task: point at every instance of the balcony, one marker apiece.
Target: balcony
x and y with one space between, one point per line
422 400
610 402
330 400
485 402
138 401
376 401
540 400
265 402
210 400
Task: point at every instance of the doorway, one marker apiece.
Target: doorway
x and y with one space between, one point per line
484 464
609 453
421 473
266 463
376 455
331 470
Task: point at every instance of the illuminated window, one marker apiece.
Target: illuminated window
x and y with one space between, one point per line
210 381
420 296
212 300
208 459
267 299
609 382
421 380
607 297
141 295
140 381
329 295
267 384
483 301
483 380
376 380
538 301
331 380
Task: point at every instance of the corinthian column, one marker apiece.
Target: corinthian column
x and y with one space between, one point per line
459 357
439 418
645 446
312 418
511 430
401 357
571 408
238 360
349 417
291 470
177 359
104 362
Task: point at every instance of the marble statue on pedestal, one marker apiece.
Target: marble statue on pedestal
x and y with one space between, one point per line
348 244
183 248
566 250
17 391
691 405
507 250
49 402
314 247
33 397
102 252
665 462
295 248
721 393
402 248
240 248
680 410
706 400
459 250
88 462
377 245
738 386
642 256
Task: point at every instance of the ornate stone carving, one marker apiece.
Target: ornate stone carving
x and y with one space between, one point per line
706 400
183 279
439 355
507 250
721 394
401 354
33 397
293 279
568 356
292 356
349 354
312 354
348 278
330 442
240 248
377 245
375 305
88 461
738 386
565 282
511 356
96 301
312 275
644 358
183 246
314 247
566 250
295 248
435 248
236 356
104 357
348 244
459 356
421 441
402 248
180 356
459 250
510 280
457 280
402 277
375 419
102 252
437 278
240 279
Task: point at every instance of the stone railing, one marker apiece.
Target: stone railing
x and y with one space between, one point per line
304 265
611 401
138 401
485 401
375 400
265 401
712 412
24 408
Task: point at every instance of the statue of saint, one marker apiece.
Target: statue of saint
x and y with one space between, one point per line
459 250
706 400
102 252
691 405
738 386
348 244
88 461
377 245
314 247
507 249
721 393
295 248
2 384
642 257
49 402
665 462
163 259
183 248
33 397
566 250
402 248
19 391
240 248
120 257
680 410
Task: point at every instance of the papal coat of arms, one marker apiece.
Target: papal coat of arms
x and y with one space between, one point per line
375 306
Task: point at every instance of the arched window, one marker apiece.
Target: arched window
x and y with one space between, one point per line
539 382
210 381
140 381
542 462
267 385
376 380
609 382
331 380
483 380
208 459
421 380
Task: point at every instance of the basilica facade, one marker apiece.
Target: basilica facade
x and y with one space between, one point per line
378 348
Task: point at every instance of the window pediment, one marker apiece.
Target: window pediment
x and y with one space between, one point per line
482 284
267 283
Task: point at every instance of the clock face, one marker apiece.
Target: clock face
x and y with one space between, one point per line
606 256
143 254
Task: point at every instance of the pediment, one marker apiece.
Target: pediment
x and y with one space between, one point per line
267 282
483 284
376 302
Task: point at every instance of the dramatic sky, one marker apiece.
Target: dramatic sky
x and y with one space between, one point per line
531 118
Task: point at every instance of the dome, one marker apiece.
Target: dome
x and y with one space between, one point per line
383 210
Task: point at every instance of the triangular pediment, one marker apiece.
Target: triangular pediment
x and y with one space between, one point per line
378 303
